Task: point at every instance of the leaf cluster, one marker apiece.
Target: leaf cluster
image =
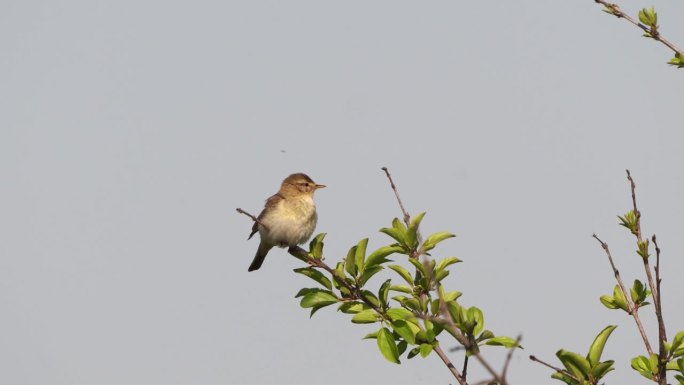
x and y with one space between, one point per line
413 312
589 369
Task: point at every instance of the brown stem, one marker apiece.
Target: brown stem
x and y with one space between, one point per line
654 286
662 335
447 362
631 307
558 370
509 356
637 213
255 219
407 217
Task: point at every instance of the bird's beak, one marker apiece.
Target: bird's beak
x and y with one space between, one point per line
319 186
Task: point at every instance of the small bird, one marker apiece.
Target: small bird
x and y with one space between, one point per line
289 217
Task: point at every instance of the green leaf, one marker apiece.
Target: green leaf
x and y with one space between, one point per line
596 348
318 298
475 315
317 308
384 292
305 291
370 297
316 246
397 231
412 304
507 342
436 238
643 365
399 313
568 380
401 346
677 343
413 352
619 299
339 272
648 17
456 311
576 364
677 60
367 316
402 288
629 221
419 266
360 255
446 262
440 275
601 369
451 295
369 336
403 273
608 302
485 335
368 273
315 275
674 365
379 256
406 330
352 307
643 249
425 350
388 346
412 231
349 262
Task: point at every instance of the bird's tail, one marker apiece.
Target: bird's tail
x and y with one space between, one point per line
260 256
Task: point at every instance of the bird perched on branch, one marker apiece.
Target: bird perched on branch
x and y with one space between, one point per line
289 217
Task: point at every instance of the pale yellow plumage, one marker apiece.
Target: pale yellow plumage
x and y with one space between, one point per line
289 217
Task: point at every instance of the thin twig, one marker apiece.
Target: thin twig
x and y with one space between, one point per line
632 309
509 356
255 219
407 217
496 377
655 288
558 370
447 362
662 334
465 367
637 213
615 10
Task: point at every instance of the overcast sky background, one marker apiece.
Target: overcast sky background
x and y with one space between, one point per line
131 130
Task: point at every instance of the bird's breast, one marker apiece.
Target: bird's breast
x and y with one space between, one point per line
291 222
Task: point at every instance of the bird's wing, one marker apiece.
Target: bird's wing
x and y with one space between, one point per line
270 203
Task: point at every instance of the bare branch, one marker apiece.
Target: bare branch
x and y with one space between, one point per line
633 310
557 369
255 219
654 286
447 362
634 205
509 356
407 217
662 334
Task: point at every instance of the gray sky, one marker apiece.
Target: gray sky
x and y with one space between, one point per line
131 130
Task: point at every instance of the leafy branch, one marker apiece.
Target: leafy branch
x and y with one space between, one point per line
654 366
648 22
411 319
